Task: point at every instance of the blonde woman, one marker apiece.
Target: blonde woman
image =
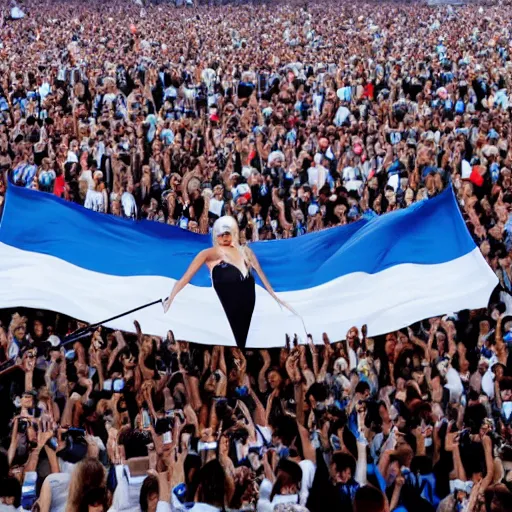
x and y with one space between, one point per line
231 266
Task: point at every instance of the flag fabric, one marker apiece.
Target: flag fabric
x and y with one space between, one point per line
386 272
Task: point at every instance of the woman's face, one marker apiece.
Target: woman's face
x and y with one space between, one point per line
27 401
38 328
147 345
20 332
485 248
274 379
116 208
225 239
43 394
389 347
128 361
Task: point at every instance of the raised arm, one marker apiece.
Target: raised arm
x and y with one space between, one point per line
501 348
196 264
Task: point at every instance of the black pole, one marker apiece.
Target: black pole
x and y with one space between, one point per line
84 331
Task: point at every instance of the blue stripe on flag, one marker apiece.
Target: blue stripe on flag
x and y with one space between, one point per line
428 232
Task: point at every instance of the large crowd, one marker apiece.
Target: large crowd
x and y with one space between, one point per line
292 117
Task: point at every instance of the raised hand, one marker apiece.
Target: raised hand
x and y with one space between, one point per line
167 304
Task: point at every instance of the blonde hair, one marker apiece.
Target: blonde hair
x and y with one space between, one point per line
17 321
224 224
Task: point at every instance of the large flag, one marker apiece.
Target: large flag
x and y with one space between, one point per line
386 272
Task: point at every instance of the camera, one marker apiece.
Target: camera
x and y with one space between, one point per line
74 434
22 426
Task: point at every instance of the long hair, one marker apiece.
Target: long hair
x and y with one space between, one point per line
212 484
89 475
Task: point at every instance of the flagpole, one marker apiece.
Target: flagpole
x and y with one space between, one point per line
10 364
84 331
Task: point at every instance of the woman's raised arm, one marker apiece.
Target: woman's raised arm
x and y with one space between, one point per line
196 264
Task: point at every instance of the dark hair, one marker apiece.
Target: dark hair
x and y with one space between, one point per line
362 387
369 499
191 466
134 442
343 461
11 487
318 391
286 428
4 464
149 486
94 497
499 496
212 484
288 473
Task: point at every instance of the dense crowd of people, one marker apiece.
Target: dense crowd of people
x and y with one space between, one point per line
291 117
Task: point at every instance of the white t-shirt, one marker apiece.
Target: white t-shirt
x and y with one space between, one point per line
72 157
308 475
488 384
127 493
94 201
177 506
11 508
317 176
86 175
313 176
352 359
454 385
129 205
265 505
216 206
351 178
59 487
341 115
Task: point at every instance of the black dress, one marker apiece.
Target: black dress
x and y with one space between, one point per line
237 295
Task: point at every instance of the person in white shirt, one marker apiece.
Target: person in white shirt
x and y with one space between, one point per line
317 173
286 488
127 493
211 491
10 496
54 493
216 207
154 493
129 204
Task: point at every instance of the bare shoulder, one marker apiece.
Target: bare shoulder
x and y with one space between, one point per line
209 254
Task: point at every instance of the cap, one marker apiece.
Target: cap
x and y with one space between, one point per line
225 224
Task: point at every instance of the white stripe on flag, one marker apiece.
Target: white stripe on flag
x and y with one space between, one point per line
389 300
